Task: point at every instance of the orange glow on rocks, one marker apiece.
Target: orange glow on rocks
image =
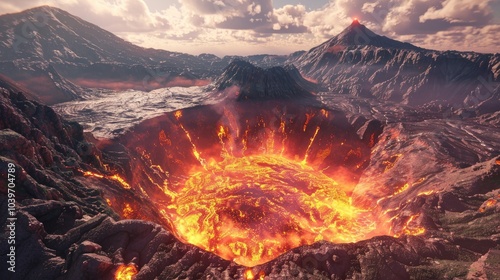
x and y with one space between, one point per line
178 114
409 228
249 274
490 203
304 161
120 180
127 211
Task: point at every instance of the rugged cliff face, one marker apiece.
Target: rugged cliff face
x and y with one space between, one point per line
362 63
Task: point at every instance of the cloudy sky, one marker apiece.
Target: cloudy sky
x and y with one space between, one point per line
245 27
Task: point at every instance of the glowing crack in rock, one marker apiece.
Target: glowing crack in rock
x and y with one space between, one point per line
114 177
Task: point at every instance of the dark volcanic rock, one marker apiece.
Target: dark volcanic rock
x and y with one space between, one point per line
248 82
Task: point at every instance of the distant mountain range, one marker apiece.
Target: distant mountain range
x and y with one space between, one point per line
362 63
54 53
57 55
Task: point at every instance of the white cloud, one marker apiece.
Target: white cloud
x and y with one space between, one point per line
480 39
328 21
459 11
122 15
115 16
254 9
290 15
208 25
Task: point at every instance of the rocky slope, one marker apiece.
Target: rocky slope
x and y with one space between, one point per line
50 47
361 63
47 41
247 82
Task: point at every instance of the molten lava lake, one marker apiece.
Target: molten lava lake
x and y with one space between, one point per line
249 181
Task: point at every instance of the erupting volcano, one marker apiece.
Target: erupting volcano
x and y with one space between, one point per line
251 180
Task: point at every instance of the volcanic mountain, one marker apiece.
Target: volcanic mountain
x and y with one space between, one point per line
255 83
361 63
47 46
359 35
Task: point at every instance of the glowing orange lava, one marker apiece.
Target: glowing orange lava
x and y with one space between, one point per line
252 209
126 272
127 211
409 228
249 183
114 177
249 274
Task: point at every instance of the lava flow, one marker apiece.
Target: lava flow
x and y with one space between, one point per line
251 209
256 184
